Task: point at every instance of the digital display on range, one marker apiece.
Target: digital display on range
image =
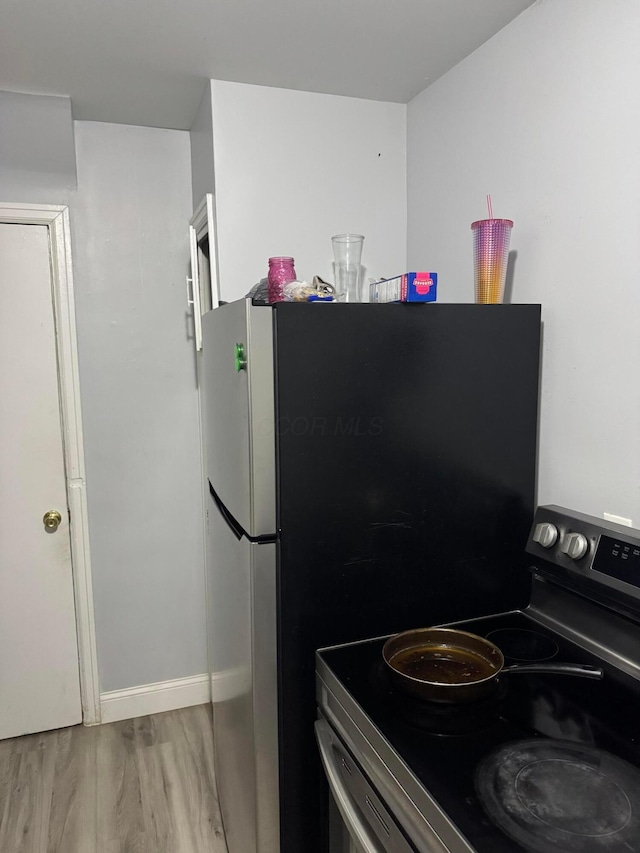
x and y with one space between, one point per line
618 559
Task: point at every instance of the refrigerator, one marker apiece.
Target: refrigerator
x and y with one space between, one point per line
370 469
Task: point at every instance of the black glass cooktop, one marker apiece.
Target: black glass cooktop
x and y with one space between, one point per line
547 763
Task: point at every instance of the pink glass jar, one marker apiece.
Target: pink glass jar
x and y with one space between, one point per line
281 271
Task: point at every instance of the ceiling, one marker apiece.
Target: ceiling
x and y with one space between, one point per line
145 61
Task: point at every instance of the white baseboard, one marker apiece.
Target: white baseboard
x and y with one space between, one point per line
154 698
228 683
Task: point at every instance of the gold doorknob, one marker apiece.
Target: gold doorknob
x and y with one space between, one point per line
52 519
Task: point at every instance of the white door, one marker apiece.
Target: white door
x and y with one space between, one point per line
39 673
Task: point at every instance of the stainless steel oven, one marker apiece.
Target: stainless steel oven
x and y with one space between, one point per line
548 763
359 822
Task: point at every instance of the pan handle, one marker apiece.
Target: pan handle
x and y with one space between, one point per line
583 670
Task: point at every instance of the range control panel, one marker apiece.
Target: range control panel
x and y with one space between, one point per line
583 547
618 559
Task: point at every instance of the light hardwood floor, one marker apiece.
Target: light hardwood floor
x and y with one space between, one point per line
140 786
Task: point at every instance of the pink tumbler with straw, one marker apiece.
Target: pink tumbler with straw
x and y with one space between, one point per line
491 238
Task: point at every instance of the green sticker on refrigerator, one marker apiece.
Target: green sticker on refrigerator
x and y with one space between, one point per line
240 358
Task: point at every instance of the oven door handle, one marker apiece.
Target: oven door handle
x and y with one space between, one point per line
356 826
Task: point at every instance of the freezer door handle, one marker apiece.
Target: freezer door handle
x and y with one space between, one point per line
356 826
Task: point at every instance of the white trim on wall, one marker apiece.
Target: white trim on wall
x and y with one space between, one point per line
154 698
56 218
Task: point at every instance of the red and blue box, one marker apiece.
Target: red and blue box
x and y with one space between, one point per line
410 287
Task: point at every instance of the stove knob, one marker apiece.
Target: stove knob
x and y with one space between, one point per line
545 534
575 546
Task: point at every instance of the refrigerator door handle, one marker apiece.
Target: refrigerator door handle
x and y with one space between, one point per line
233 525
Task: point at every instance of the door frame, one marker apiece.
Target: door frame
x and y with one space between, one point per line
56 218
203 222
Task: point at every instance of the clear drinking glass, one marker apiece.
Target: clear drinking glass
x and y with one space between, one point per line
347 253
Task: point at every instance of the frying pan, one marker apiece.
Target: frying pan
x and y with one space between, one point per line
447 665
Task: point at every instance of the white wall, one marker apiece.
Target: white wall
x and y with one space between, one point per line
37 155
201 137
139 402
293 168
546 117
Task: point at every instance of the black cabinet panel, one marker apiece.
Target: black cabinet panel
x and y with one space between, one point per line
406 460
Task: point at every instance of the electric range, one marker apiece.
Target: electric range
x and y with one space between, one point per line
547 763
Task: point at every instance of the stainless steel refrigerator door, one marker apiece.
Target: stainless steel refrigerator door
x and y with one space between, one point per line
238 412
241 595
